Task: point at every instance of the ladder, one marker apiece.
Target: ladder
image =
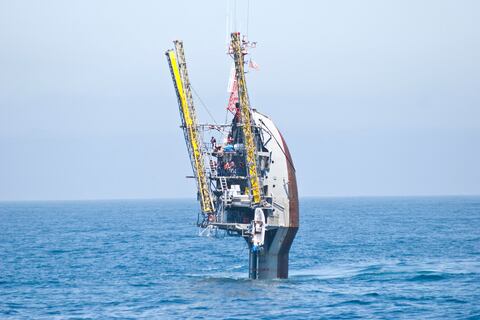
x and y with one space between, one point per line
224 187
248 129
178 70
213 168
223 184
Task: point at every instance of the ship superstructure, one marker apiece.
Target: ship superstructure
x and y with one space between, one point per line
246 182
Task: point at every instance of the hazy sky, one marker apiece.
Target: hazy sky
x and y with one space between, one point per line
373 97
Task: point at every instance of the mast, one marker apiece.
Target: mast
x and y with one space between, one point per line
245 113
178 69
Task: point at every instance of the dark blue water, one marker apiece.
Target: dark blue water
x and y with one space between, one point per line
391 258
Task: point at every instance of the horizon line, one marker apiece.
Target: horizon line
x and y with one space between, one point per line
193 198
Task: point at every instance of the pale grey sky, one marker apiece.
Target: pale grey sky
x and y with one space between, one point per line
373 97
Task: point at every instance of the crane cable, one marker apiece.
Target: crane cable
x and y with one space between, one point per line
203 104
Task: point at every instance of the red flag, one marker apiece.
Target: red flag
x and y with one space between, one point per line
252 64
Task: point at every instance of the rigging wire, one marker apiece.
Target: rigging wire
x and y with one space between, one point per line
203 104
228 25
235 15
248 15
226 116
233 22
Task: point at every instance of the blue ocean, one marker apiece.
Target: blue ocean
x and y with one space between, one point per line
376 258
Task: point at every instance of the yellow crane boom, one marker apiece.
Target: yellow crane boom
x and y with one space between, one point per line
245 113
178 69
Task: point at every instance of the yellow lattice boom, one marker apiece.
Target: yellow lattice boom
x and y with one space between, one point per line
187 113
246 118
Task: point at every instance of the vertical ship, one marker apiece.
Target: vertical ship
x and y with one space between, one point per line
246 182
